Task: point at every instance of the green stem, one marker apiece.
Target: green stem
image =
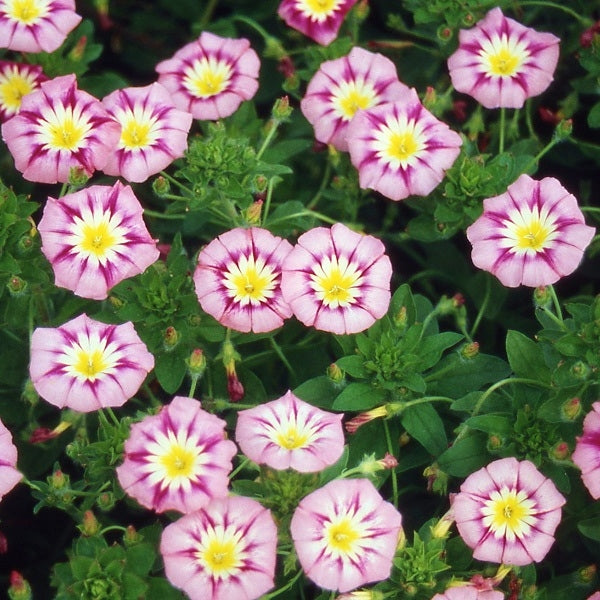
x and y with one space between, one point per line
584 20
63 190
258 28
554 318
208 13
113 528
270 135
394 476
284 588
425 400
112 415
324 182
239 468
556 303
502 383
177 183
536 159
166 217
483 307
282 357
590 209
153 398
529 119
193 387
268 199
306 213
502 130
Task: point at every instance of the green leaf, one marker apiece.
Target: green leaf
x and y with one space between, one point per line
594 116
403 298
590 528
80 566
491 424
140 558
466 456
319 391
353 365
170 370
161 589
432 347
423 423
359 396
526 357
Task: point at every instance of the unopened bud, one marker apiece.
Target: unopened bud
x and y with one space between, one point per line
78 177
437 480
131 536
16 286
282 109
581 370
335 373
90 525
494 442
571 409
197 363
441 528
468 19
587 574
542 296
106 501
44 434
401 318
78 50
253 212
389 461
30 394
353 424
404 439
19 588
563 130
444 33
170 338
560 451
470 350
430 98
161 186
58 480
25 244
235 389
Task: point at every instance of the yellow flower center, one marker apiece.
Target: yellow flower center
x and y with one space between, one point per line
399 142
533 235
64 129
221 551
403 145
337 282
220 556
207 77
178 462
318 8
13 86
89 358
97 238
90 364
509 513
503 57
250 281
341 536
135 135
291 438
352 96
26 11
529 231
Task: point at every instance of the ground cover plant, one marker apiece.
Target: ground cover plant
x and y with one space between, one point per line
299 299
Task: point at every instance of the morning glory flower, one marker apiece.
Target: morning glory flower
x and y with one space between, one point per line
9 476
211 76
290 433
17 80
400 148
320 20
178 459
224 551
345 534
501 63
95 238
507 512
532 235
342 86
36 25
85 365
153 132
238 279
587 451
468 592
337 280
60 128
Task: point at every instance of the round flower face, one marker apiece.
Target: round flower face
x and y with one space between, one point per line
9 476
343 86
95 238
320 20
210 77
57 129
400 148
178 459
238 280
223 551
337 280
508 512
36 25
345 534
16 80
468 592
153 132
532 235
501 63
86 365
289 433
587 451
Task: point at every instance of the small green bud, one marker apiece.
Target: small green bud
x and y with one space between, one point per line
170 338
58 480
19 588
161 186
444 33
560 451
29 393
542 297
196 363
16 286
335 373
563 130
401 318
253 212
586 574
361 11
470 350
90 525
78 49
494 442
430 98
78 177
581 370
131 536
106 501
25 244
282 109
468 19
571 409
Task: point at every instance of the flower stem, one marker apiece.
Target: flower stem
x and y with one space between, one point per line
239 468
536 159
483 307
556 303
270 135
584 20
207 14
502 383
113 528
324 182
394 476
502 129
177 183
193 387
282 357
283 588
425 400
268 198
159 215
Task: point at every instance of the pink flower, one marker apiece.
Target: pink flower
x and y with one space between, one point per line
9 476
587 451
594 596
224 551
153 132
501 63
59 128
400 148
290 433
238 279
210 77
468 592
178 459
532 235
340 87
86 365
95 238
320 20
16 81
508 512
345 534
337 280
36 25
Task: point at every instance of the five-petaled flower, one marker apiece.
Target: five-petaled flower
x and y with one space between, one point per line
507 512
224 551
345 534
337 280
290 433
320 20
60 128
95 238
587 451
345 85
36 25
153 132
238 279
211 76
178 459
86 365
531 235
9 476
16 81
400 148
501 63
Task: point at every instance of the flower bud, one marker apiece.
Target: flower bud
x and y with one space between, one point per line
335 373
563 130
16 286
78 49
253 212
282 109
58 480
560 451
90 525
542 296
441 528
19 588
106 501
170 338
581 370
586 574
131 536
353 424
444 33
161 186
470 350
29 393
235 389
389 461
196 363
571 409
401 318
78 177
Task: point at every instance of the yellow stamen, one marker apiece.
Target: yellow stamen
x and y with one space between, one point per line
26 11
13 86
178 462
341 536
207 77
